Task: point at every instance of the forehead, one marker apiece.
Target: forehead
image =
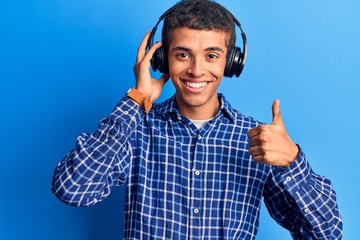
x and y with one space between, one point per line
193 38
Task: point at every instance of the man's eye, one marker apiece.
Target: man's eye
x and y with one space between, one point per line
212 56
182 55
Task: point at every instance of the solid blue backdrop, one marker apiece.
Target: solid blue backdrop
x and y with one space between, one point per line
65 64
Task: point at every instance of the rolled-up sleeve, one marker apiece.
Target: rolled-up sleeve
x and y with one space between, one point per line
303 202
100 160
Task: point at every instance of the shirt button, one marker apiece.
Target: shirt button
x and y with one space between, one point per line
306 210
199 137
133 118
288 179
179 118
197 172
106 140
126 112
196 211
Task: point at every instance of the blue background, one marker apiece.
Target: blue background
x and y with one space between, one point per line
64 65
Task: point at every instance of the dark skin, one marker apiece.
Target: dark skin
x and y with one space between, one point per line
269 143
144 82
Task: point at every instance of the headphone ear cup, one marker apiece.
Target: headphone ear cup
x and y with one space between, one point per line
234 64
229 63
159 61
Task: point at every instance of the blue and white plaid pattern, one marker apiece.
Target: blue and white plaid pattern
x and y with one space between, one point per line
185 183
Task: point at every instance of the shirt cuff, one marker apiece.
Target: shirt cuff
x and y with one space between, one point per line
127 115
298 173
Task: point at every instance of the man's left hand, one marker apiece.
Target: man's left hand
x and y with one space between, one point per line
270 143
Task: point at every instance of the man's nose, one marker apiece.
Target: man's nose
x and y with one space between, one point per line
196 68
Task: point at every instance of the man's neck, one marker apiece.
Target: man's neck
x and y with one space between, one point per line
201 112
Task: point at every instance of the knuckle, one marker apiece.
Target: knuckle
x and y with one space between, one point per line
262 138
263 127
265 148
270 159
267 158
257 159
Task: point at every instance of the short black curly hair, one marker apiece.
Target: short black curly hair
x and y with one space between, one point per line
199 15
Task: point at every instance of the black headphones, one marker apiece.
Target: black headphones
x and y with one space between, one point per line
235 58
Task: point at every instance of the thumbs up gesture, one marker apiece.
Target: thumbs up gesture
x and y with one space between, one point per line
270 143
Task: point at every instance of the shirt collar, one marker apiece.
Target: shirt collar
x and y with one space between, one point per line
170 106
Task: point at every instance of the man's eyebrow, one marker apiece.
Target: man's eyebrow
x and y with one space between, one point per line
180 48
217 49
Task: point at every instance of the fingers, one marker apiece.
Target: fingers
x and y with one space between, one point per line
256 150
152 50
277 119
144 82
142 47
256 141
142 54
260 154
256 131
253 132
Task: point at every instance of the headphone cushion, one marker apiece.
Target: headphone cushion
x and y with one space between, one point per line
234 63
159 61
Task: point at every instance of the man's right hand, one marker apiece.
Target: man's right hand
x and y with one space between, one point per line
144 82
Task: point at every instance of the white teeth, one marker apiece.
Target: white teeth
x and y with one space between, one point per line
195 84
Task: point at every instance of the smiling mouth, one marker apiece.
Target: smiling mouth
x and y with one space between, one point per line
195 85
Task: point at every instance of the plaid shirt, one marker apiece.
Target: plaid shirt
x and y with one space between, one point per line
185 183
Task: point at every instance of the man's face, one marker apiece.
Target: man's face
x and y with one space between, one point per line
197 61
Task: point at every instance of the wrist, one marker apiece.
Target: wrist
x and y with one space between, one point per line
294 153
140 98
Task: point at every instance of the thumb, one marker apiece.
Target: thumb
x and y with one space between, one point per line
158 85
277 119
163 79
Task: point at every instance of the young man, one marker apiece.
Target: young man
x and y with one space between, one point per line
196 168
